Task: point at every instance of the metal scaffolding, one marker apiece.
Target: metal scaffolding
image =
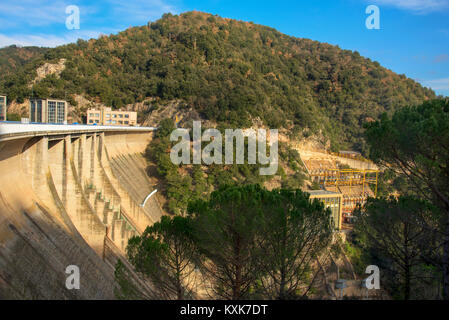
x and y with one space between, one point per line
352 183
347 177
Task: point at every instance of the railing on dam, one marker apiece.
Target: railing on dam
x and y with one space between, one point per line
13 130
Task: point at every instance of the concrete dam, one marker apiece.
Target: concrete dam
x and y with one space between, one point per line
70 195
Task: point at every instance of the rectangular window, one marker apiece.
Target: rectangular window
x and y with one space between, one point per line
51 111
39 111
33 111
91 121
114 122
2 108
61 112
120 122
126 122
120 115
126 115
114 116
108 115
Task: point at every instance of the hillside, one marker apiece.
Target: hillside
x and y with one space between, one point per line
12 58
229 72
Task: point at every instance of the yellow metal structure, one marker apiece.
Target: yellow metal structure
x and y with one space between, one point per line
347 177
355 185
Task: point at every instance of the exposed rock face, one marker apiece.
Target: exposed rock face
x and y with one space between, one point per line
43 71
75 114
176 110
49 68
21 109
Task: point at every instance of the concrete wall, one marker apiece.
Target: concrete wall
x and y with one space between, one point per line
70 199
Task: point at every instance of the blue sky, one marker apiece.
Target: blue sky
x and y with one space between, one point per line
413 38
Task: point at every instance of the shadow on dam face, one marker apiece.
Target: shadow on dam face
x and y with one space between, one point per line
70 200
33 262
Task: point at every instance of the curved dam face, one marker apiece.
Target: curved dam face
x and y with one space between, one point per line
70 198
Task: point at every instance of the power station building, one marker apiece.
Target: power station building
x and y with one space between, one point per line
106 116
331 200
2 108
48 111
355 185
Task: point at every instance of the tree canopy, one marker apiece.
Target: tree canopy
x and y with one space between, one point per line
396 233
414 143
245 242
165 254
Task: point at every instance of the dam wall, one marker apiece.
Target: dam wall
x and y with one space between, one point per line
69 196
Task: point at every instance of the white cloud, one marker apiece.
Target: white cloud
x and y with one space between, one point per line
45 40
34 12
38 13
437 84
418 6
48 16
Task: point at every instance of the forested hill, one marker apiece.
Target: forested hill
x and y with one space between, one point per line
229 71
14 57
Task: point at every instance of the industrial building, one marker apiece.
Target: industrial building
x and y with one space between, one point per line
331 200
48 111
355 185
2 108
106 116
